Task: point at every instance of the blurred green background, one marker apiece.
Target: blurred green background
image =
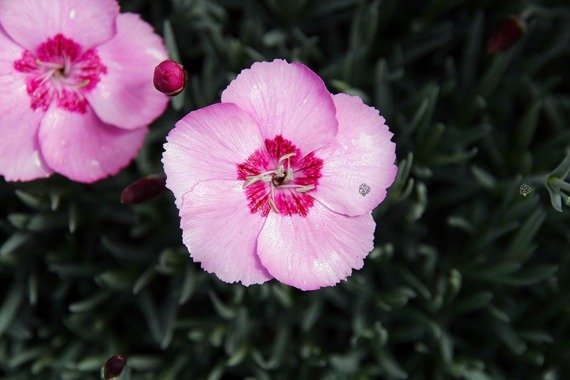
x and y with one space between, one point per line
469 279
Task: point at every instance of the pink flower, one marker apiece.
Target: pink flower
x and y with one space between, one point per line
76 92
279 180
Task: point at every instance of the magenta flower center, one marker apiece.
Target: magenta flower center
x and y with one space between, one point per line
278 177
60 71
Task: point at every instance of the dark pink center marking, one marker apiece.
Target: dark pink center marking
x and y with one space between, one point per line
60 71
277 177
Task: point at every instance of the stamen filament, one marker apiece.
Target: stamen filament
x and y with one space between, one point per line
272 200
265 176
66 66
286 156
304 189
308 187
46 76
50 65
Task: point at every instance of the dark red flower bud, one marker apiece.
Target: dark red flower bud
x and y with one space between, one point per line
114 367
143 189
170 78
506 35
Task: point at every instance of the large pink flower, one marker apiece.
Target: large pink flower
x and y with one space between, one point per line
76 92
279 180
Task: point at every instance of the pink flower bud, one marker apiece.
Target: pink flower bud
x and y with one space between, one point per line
114 367
170 78
506 35
143 189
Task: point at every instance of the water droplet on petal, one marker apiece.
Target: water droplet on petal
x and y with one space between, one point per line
37 160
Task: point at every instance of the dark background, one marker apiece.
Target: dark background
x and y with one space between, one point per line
469 279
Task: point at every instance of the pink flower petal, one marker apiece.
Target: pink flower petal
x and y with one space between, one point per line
208 144
286 99
20 157
221 233
9 53
359 165
314 251
83 148
125 96
32 22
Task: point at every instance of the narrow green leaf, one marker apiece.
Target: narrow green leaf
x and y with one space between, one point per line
390 366
144 362
150 312
383 91
455 158
470 304
345 364
144 279
526 233
527 127
169 313
238 356
26 356
484 178
472 50
14 242
415 283
10 306
493 75
89 303
460 222
33 287
29 199
116 279
510 338
224 311
91 364
188 286
312 314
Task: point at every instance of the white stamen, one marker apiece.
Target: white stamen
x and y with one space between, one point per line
304 189
49 65
272 200
250 181
83 83
45 76
287 156
265 177
66 66
289 175
280 172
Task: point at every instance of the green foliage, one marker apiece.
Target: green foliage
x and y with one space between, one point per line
469 279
